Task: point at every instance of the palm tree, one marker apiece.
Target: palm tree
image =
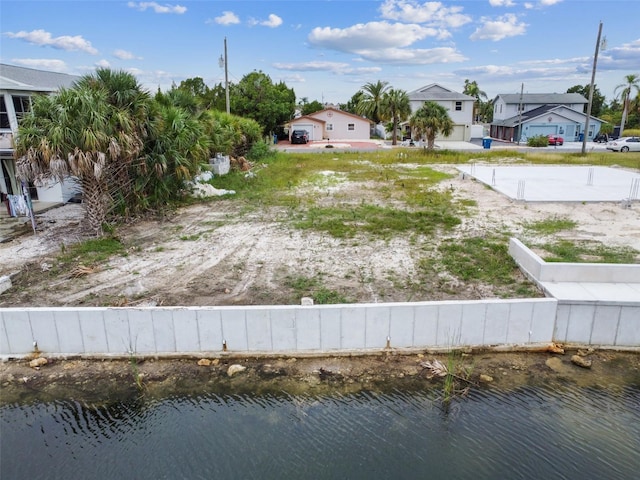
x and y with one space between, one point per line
92 131
472 89
397 107
632 82
430 120
72 133
370 103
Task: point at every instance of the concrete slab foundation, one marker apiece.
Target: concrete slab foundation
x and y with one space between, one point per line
558 183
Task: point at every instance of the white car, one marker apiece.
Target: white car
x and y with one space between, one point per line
625 144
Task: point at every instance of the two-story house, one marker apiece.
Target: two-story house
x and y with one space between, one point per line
531 114
17 86
459 106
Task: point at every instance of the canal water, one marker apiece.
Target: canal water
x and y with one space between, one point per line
524 433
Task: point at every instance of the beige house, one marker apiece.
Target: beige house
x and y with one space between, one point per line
332 123
459 106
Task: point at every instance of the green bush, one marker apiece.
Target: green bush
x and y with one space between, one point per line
631 132
260 150
538 141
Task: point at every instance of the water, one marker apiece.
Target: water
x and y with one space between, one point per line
526 433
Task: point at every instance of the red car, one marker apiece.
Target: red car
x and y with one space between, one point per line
555 139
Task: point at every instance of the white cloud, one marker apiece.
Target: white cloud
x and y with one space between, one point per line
157 8
125 55
499 29
339 68
273 21
103 63
64 42
501 3
400 56
372 35
227 18
41 63
625 57
430 13
547 3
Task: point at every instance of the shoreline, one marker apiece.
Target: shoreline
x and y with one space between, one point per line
100 380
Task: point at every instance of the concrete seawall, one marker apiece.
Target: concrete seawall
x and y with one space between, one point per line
587 304
278 329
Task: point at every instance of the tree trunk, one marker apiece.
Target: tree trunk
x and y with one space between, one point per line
93 198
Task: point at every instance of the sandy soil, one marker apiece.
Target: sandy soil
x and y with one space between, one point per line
217 254
98 381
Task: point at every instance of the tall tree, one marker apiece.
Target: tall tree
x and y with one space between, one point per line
631 84
396 107
473 90
598 99
370 103
256 97
77 132
311 107
430 120
352 105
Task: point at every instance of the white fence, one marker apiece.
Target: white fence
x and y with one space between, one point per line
277 329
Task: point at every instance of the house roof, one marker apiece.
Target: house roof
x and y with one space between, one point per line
535 113
437 92
542 98
341 112
307 118
30 79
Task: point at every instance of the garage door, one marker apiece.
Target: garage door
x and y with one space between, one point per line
535 130
307 127
457 135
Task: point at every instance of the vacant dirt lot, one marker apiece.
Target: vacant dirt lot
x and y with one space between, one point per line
217 253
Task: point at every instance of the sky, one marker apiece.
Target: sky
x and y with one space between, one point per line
328 50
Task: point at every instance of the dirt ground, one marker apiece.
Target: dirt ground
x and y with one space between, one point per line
87 380
217 253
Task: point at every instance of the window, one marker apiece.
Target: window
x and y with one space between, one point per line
351 126
4 115
329 127
458 106
21 105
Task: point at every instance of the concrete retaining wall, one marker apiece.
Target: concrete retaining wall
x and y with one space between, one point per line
599 324
276 329
558 272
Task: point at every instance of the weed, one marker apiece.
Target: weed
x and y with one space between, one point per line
91 252
589 252
190 238
551 225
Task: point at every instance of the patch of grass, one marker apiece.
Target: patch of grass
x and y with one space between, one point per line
551 225
92 252
588 252
190 238
346 221
325 296
313 287
479 259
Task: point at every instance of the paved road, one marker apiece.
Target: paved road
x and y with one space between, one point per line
476 144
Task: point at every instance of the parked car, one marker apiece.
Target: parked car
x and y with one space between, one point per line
625 144
603 138
299 136
555 139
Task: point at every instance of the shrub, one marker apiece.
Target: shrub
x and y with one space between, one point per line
631 132
260 150
538 141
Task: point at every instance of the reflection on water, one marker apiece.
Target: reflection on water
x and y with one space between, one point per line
529 433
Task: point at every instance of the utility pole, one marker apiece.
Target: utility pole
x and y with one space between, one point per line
593 80
223 62
520 114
